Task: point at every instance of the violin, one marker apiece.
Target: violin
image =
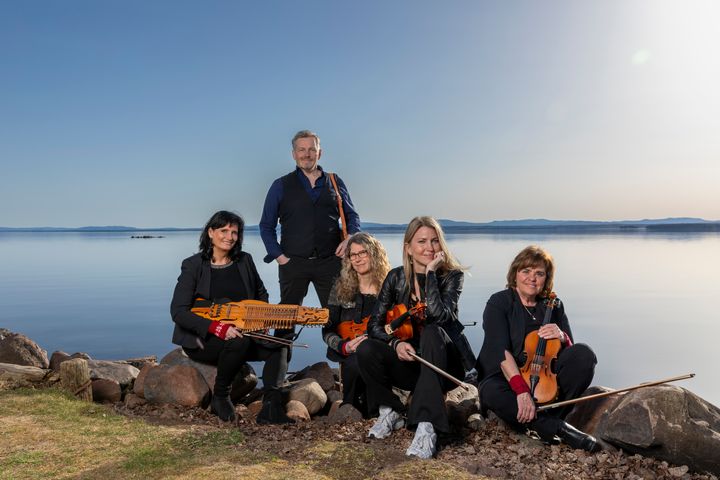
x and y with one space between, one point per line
350 329
540 355
399 320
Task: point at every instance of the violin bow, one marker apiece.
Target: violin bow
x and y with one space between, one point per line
607 394
440 371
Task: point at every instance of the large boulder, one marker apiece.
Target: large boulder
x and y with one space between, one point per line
139 385
665 422
297 411
104 390
340 413
18 349
176 384
244 383
309 393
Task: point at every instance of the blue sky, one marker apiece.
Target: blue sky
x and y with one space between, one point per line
158 113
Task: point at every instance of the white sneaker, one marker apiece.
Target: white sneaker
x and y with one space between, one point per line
388 421
424 443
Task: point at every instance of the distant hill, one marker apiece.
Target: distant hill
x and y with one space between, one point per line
540 225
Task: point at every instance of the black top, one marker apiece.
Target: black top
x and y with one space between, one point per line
362 306
226 284
308 228
195 282
506 323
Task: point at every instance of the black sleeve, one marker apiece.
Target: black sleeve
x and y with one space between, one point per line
497 337
442 303
562 320
329 331
184 298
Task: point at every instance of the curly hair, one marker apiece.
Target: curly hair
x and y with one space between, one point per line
219 220
347 285
415 224
533 256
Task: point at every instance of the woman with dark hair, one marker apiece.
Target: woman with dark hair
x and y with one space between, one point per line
430 276
510 315
352 299
222 272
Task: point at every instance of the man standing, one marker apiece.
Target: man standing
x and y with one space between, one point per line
311 245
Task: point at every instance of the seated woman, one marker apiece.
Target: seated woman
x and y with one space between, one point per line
430 275
220 272
510 315
352 300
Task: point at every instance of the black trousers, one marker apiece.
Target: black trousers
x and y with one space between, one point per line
575 368
381 369
231 355
354 390
296 275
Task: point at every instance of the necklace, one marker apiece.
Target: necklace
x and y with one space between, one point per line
528 311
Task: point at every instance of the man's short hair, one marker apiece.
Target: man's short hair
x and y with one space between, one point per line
305 134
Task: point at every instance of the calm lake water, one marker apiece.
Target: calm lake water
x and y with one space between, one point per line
647 304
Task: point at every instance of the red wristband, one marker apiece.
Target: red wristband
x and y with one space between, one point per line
219 329
518 385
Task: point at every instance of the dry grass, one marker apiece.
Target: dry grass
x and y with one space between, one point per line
47 434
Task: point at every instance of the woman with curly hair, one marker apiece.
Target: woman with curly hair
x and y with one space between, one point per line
352 300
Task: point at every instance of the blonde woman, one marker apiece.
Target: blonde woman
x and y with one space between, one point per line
432 276
352 300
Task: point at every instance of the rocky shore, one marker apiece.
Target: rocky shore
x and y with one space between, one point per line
658 433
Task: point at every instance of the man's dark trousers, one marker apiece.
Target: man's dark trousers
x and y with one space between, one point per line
295 277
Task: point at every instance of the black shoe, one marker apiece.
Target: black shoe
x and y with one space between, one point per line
577 439
223 407
273 409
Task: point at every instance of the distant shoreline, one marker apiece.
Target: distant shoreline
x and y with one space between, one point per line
462 228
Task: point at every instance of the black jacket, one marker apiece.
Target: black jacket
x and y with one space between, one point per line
442 293
341 312
504 322
194 282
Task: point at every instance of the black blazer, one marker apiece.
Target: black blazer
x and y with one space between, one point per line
194 282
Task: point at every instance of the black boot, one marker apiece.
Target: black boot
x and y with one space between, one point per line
577 439
222 406
273 409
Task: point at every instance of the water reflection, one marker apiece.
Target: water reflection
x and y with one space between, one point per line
646 303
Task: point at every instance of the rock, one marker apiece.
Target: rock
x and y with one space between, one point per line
320 372
140 362
334 395
476 422
462 403
243 384
176 384
133 401
309 393
139 385
343 413
122 373
665 422
403 395
586 415
106 391
334 406
59 356
21 373
297 411
255 407
18 349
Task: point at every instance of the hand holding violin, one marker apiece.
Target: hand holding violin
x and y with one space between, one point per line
550 331
403 350
352 345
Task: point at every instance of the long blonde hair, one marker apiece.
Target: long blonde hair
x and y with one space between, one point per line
348 283
415 224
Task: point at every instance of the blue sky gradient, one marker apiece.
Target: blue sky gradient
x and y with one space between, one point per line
159 113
